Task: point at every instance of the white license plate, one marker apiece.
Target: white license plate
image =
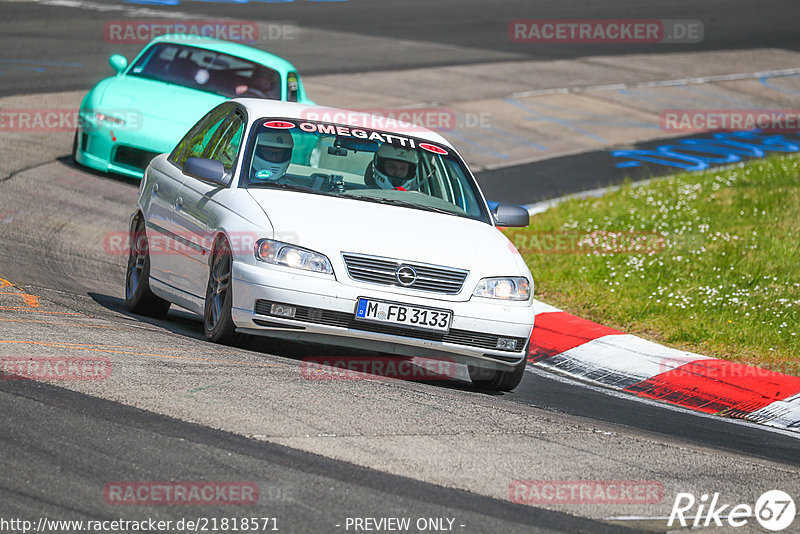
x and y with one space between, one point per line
403 315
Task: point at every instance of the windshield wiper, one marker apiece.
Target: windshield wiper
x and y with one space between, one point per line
398 202
287 187
377 200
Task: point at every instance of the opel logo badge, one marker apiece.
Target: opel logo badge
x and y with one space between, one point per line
406 275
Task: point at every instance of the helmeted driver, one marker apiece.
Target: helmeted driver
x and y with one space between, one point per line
395 167
273 153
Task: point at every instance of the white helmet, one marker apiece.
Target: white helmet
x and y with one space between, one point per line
395 160
272 155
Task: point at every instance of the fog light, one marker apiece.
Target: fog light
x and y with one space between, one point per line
283 310
504 343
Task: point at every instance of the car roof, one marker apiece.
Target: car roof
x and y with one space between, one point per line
260 107
227 47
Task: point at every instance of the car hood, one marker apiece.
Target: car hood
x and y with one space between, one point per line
334 225
166 111
157 99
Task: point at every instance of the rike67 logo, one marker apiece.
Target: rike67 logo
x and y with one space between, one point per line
774 510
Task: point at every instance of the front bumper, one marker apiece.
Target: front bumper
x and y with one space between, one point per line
98 151
326 310
123 150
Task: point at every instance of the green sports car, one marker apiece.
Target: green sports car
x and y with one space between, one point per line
143 111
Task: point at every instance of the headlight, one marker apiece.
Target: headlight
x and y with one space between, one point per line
102 117
279 253
504 288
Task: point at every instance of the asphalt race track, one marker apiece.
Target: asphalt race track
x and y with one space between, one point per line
450 32
177 408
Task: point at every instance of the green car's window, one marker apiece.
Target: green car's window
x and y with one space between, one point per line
291 87
206 70
225 145
195 143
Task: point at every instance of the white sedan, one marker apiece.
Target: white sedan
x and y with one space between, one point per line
347 233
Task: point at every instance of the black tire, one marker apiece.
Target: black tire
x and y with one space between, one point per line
75 147
496 380
217 322
139 298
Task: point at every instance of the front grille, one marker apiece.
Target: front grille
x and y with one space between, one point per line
377 270
133 157
347 320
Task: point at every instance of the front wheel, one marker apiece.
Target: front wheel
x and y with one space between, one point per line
495 379
217 321
139 298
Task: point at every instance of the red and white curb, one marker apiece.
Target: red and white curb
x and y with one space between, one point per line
590 352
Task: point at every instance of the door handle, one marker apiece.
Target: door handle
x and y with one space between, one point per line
178 203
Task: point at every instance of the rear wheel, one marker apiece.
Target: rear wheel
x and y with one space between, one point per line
217 321
495 379
139 298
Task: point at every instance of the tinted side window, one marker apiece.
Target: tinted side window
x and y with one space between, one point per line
197 140
225 145
291 87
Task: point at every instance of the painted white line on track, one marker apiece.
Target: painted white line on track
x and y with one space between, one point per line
553 374
621 360
541 207
543 307
784 412
544 205
127 10
662 83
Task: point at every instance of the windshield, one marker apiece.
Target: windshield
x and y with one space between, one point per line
360 163
208 71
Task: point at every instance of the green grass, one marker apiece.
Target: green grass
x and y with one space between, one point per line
721 273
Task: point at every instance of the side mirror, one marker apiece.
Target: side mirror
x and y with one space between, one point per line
207 170
509 215
118 63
